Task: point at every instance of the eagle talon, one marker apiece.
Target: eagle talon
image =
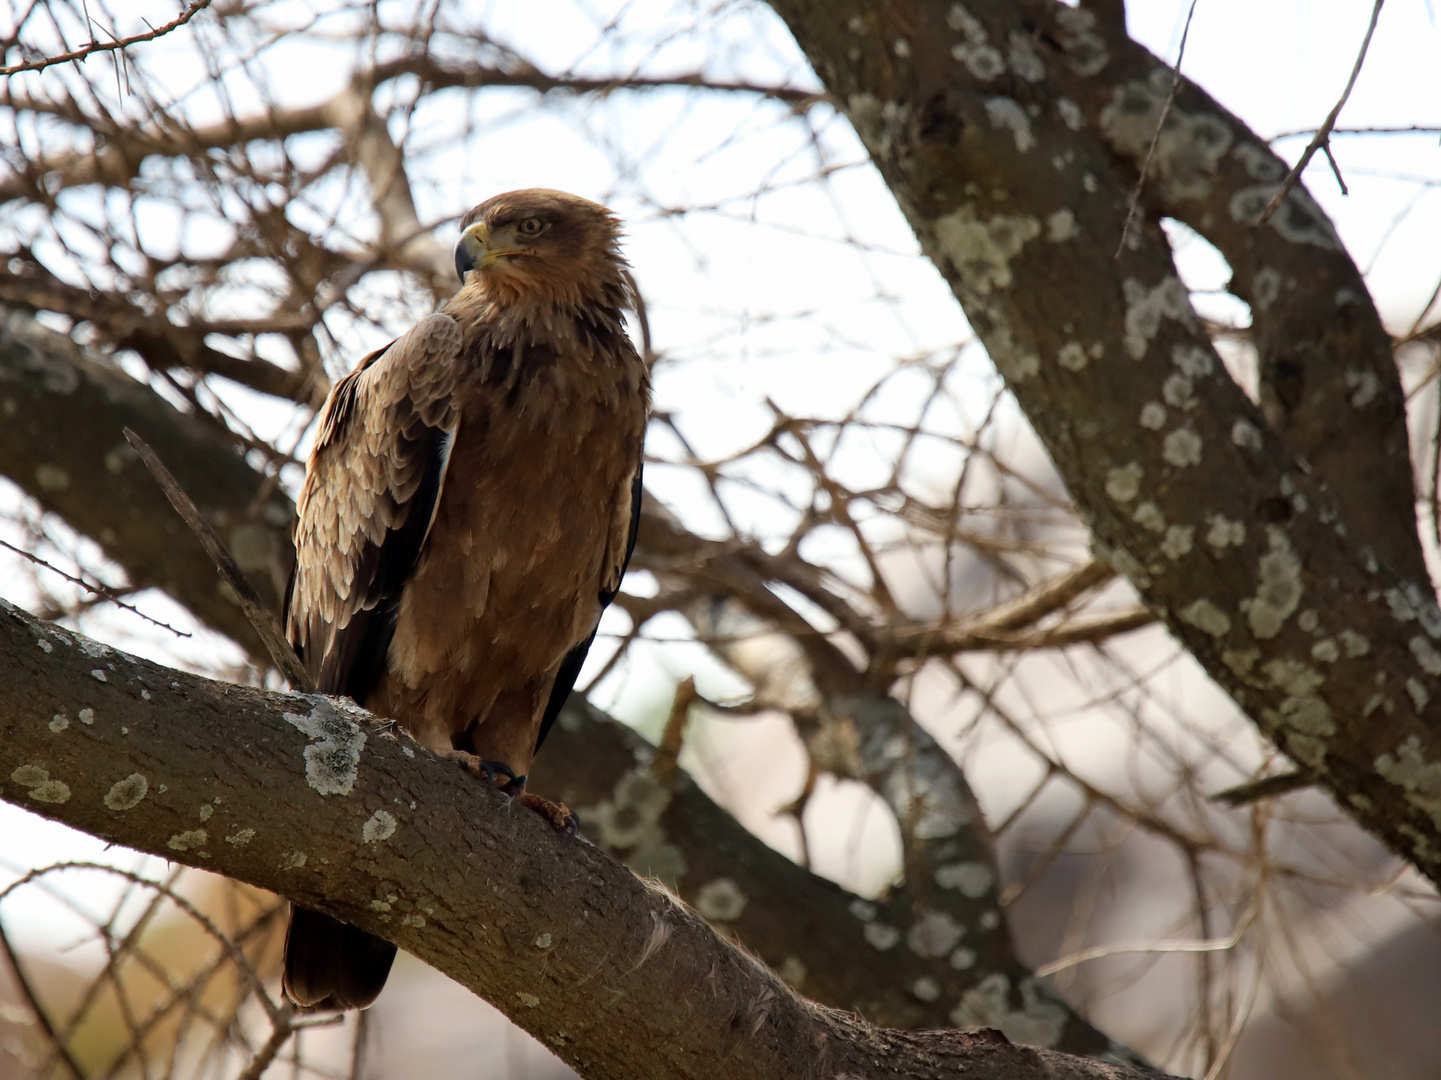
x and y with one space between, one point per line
485 770
561 817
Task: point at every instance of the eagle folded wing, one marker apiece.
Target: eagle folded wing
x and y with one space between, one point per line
370 494
625 523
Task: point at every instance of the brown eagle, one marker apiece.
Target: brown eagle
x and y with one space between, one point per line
468 511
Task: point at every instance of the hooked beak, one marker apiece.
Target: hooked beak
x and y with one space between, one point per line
473 251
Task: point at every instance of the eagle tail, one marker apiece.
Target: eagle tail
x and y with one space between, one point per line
332 965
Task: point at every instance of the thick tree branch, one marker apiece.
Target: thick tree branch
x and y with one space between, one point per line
1328 379
1188 491
317 801
93 479
671 830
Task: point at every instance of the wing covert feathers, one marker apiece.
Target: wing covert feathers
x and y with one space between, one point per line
370 492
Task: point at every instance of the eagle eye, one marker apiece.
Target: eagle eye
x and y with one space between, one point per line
531 226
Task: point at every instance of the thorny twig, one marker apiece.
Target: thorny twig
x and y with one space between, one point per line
93 46
1323 133
1135 202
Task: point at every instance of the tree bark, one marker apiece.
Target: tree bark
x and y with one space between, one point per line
670 830
1015 193
312 798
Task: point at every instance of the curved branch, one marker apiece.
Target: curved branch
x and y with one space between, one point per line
1223 531
315 800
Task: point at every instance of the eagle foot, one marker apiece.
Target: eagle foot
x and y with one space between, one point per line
497 772
561 817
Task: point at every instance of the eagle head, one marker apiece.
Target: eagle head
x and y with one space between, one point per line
540 243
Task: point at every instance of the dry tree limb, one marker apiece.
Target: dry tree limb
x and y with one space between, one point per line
1322 139
254 607
341 810
93 46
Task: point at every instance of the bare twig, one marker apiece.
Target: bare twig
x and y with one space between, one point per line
1323 133
1134 205
94 46
1268 787
61 1049
94 588
255 610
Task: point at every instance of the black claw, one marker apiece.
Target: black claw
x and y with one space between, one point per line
515 786
492 769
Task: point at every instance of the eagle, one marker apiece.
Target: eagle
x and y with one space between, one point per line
468 511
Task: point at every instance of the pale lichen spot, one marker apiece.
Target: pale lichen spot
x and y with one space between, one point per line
1420 696
1326 650
40 786
926 988
1206 617
1186 152
188 840
98 674
1364 386
381 906
1090 183
1072 356
989 920
1246 435
52 477
530 1001
881 936
1224 532
981 251
1153 416
863 910
1309 621
1015 362
206 811
1039 1021
241 837
1182 448
414 919
1070 115
1148 516
1425 654
934 933
973 879
1061 226
379 826
293 860
86 716
963 959
1004 112
1421 779
1355 644
1299 218
1084 48
1266 289
542 941
1023 59
332 757
721 900
1260 163
45 646
1241 661
126 794
1145 308
1179 541
1179 392
58 723
902 48
1279 593
881 124
1123 483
